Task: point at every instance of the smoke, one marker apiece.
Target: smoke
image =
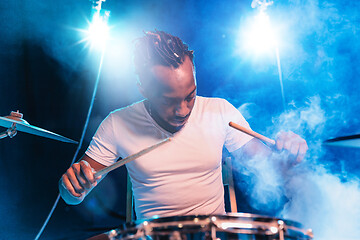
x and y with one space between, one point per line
319 62
318 51
322 201
310 192
52 26
319 198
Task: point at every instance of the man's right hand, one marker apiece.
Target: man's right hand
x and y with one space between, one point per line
79 180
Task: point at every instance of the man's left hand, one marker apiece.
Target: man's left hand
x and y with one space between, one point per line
293 143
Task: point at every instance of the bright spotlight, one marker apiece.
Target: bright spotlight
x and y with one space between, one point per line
98 32
258 36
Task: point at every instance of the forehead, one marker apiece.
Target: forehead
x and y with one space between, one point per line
172 81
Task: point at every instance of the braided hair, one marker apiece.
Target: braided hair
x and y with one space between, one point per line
160 48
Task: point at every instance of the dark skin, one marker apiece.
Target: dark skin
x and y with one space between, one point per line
170 94
79 179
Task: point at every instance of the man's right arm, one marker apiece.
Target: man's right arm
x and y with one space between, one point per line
79 180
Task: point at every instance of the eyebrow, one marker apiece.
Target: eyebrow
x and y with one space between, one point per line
191 92
185 97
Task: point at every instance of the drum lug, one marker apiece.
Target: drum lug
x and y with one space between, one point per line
281 229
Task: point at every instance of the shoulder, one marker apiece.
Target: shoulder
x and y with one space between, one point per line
214 103
221 106
133 109
124 114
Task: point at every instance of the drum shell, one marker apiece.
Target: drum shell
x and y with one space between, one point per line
241 226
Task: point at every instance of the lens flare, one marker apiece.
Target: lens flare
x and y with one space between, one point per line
258 36
98 32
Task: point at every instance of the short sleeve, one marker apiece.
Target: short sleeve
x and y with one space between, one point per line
235 139
102 147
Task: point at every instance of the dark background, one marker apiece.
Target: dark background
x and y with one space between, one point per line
48 74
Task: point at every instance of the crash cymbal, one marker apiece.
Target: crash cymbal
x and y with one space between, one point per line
346 141
24 126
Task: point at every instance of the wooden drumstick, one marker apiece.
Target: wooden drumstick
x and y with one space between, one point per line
252 133
130 158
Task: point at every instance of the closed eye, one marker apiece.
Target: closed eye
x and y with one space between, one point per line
167 101
189 99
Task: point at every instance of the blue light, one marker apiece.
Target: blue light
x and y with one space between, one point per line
258 36
98 32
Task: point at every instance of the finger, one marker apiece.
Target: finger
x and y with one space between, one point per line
65 182
72 173
88 172
294 149
279 144
81 177
302 151
287 144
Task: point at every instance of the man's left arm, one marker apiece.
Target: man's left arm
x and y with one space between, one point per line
292 145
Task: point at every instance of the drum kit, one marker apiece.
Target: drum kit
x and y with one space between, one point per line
234 226
242 226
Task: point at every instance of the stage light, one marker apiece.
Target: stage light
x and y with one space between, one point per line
260 37
257 35
98 32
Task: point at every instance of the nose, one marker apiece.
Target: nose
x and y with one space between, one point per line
182 109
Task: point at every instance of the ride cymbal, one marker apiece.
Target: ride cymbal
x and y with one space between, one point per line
345 141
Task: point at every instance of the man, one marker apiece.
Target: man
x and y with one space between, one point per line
182 177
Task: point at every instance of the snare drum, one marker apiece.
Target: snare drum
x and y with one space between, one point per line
239 226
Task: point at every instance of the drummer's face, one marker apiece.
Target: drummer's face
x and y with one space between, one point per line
171 93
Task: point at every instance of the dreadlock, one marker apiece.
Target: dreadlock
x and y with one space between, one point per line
160 48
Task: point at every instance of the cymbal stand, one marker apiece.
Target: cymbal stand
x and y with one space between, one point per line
10 132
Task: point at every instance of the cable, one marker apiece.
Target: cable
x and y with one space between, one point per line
80 142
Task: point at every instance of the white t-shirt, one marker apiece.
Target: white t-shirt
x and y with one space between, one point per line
183 176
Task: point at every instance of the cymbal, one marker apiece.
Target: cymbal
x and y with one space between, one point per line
24 126
345 141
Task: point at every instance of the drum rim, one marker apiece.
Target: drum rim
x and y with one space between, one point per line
240 215
206 221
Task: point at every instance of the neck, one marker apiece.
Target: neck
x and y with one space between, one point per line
161 122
